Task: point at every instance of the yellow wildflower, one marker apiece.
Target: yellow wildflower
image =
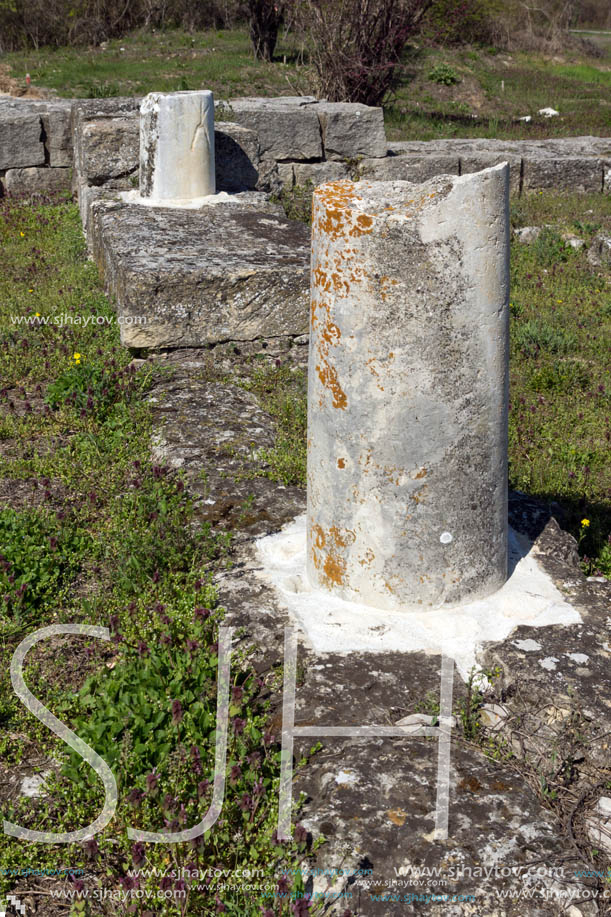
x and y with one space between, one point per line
22 234
585 523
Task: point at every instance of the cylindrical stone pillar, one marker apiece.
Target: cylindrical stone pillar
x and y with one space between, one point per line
177 146
408 390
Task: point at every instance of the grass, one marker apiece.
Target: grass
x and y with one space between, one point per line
92 531
499 88
560 424
162 61
496 87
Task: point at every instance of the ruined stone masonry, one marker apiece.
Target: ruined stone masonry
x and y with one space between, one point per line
277 142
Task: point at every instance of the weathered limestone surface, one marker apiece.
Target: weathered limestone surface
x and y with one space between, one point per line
86 109
20 140
563 147
319 172
570 174
569 164
56 122
350 130
407 394
233 271
37 179
286 131
201 423
106 148
408 168
177 145
54 116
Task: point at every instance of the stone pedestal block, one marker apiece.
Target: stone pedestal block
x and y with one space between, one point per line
566 174
319 172
106 149
408 387
56 122
350 130
236 270
177 146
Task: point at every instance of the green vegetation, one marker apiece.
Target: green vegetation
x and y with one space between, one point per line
164 61
282 391
444 74
560 382
497 86
93 531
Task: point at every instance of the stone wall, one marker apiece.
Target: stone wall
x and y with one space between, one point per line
35 145
269 144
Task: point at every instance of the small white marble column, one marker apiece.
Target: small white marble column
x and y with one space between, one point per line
408 390
177 146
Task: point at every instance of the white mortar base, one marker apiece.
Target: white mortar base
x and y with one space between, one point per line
177 146
196 203
330 624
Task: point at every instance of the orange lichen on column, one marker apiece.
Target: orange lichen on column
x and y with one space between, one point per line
407 390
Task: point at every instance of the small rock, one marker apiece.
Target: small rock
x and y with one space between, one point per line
599 832
528 234
34 786
574 242
416 719
599 253
548 112
525 118
528 646
493 716
604 806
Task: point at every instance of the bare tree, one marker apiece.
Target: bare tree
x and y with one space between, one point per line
356 45
265 18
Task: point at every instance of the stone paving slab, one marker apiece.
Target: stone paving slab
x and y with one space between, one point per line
237 271
373 799
221 430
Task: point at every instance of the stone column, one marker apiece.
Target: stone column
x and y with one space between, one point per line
407 390
177 146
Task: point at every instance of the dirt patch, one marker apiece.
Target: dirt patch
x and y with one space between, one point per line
9 86
29 494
